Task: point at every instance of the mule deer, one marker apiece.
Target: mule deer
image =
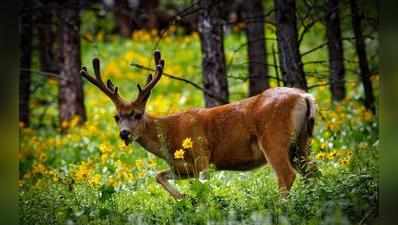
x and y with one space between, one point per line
274 126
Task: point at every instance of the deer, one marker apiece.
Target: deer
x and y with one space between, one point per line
272 127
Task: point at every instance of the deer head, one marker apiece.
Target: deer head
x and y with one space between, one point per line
130 115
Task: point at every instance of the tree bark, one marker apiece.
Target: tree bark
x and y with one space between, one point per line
253 15
25 45
362 56
71 98
211 35
335 50
121 10
289 54
46 36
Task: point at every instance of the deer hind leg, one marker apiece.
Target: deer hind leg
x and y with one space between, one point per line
277 155
163 179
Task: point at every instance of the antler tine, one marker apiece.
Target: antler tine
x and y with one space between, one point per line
109 89
151 82
148 79
157 57
159 63
97 70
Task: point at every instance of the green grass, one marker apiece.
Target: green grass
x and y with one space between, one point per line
87 177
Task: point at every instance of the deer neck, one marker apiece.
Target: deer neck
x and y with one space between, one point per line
151 139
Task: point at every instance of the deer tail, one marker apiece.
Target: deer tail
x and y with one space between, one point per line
310 114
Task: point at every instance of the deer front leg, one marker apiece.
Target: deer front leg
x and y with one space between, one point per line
163 179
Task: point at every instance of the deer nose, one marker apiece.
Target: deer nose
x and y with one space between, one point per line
124 134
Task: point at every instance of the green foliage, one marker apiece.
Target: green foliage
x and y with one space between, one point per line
97 22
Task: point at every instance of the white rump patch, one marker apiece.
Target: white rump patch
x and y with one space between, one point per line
311 99
299 113
298 118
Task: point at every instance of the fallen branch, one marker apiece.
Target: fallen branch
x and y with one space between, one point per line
48 74
329 83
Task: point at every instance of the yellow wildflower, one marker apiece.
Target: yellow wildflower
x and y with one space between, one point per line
20 183
172 29
125 175
39 168
141 174
42 157
111 68
187 143
74 121
344 162
83 171
139 163
113 182
95 180
100 36
88 36
104 158
53 174
91 129
122 146
105 149
65 124
367 116
321 156
332 155
179 154
151 163
129 56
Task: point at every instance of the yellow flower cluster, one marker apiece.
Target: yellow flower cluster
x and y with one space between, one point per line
342 156
186 144
106 152
144 36
123 174
95 180
39 168
83 171
72 122
179 154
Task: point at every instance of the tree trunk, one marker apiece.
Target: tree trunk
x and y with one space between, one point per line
289 54
211 35
253 15
26 61
46 37
121 10
362 57
71 99
335 50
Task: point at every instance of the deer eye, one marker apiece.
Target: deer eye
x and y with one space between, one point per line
131 114
117 118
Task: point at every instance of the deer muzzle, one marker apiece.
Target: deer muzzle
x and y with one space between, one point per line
125 136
